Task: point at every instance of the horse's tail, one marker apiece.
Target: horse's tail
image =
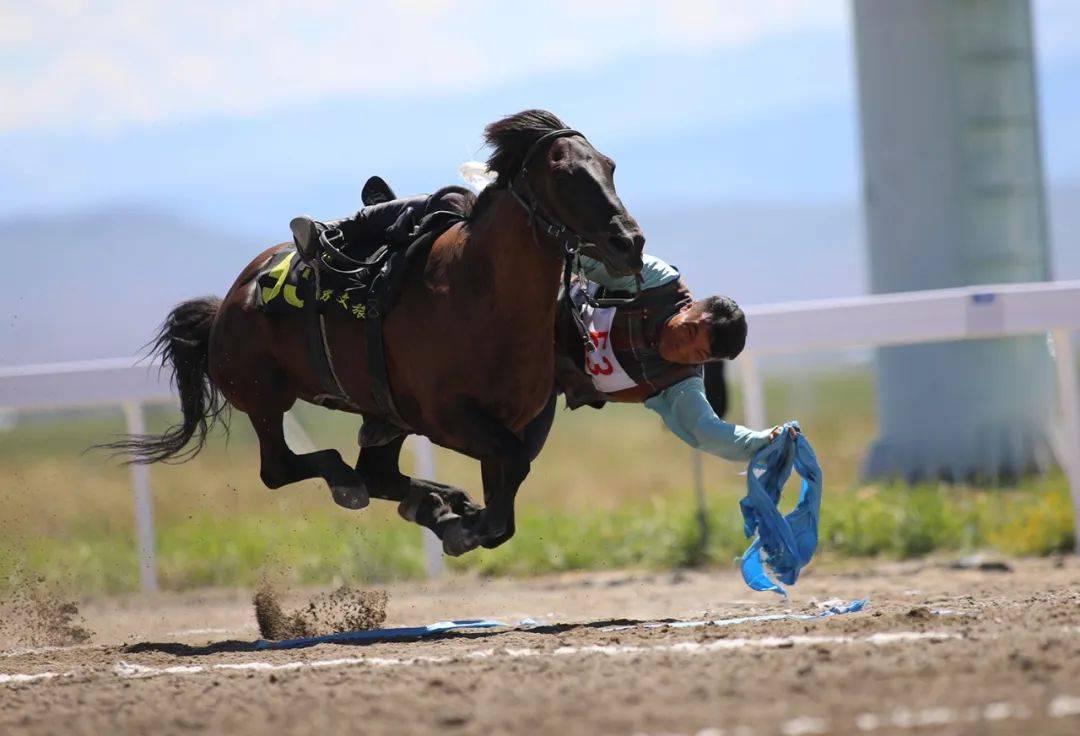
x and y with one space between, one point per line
183 344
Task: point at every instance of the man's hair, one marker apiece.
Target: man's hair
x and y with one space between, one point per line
727 326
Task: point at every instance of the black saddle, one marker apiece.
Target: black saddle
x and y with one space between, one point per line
350 250
370 273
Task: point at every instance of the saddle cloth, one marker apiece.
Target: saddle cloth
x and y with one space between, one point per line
286 283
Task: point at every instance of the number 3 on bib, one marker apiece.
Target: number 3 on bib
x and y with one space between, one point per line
602 364
604 367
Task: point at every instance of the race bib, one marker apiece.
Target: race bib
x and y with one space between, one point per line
607 375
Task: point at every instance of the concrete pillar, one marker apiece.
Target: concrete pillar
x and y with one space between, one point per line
954 196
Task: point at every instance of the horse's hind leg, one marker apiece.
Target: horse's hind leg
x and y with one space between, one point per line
281 466
426 502
243 366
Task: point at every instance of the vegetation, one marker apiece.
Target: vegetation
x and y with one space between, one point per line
612 489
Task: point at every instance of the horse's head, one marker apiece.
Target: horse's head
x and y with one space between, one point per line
559 176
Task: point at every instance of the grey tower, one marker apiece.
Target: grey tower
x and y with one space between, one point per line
954 196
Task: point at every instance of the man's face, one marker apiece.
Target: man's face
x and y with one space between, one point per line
685 338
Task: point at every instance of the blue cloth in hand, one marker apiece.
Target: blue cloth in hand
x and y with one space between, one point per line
784 543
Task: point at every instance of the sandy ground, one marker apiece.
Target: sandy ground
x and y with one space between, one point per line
937 651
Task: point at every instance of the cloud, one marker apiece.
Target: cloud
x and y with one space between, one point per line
79 65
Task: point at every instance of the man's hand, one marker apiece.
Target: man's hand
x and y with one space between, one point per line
778 429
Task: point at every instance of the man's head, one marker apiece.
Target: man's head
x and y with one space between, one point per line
707 330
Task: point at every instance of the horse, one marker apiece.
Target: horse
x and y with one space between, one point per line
469 343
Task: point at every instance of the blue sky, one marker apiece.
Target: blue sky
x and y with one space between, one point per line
245 113
177 139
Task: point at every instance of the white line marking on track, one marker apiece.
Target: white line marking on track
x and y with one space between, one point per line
134 670
1062 706
20 651
804 726
19 678
127 669
193 632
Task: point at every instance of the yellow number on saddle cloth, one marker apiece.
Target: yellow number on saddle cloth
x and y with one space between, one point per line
275 283
280 272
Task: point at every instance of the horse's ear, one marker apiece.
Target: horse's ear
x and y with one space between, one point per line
376 191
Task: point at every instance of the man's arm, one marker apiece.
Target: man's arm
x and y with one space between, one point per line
687 413
654 273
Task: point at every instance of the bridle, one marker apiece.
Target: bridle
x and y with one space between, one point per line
569 241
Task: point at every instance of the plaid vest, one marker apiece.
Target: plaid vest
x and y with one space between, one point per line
635 338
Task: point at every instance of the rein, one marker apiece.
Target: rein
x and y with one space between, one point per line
569 241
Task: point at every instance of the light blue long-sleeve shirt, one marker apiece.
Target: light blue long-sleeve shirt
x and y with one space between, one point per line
688 414
683 406
654 273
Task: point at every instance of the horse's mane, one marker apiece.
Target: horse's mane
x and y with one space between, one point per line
509 140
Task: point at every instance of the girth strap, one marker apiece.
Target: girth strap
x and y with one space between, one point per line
384 290
319 349
373 340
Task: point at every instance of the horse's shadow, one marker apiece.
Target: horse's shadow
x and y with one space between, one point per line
229 646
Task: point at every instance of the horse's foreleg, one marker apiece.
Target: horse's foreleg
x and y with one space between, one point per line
502 479
281 466
503 474
426 502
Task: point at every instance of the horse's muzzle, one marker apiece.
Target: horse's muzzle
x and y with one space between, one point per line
624 254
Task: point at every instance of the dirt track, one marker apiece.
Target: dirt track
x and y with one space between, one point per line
938 651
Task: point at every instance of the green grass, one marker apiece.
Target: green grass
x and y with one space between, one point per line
328 547
612 489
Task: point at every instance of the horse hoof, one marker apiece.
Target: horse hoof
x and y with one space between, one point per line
495 540
456 541
350 497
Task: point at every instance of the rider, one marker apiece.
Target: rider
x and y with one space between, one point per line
650 347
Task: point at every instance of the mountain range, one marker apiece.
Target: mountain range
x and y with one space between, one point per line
97 283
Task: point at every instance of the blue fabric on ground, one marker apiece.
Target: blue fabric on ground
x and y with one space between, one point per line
853 607
785 544
376 635
419 632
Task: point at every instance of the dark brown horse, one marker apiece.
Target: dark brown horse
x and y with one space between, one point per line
469 343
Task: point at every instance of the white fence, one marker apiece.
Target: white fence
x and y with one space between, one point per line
970 312
126 383
890 319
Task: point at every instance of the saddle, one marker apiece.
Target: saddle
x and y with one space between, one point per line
364 279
